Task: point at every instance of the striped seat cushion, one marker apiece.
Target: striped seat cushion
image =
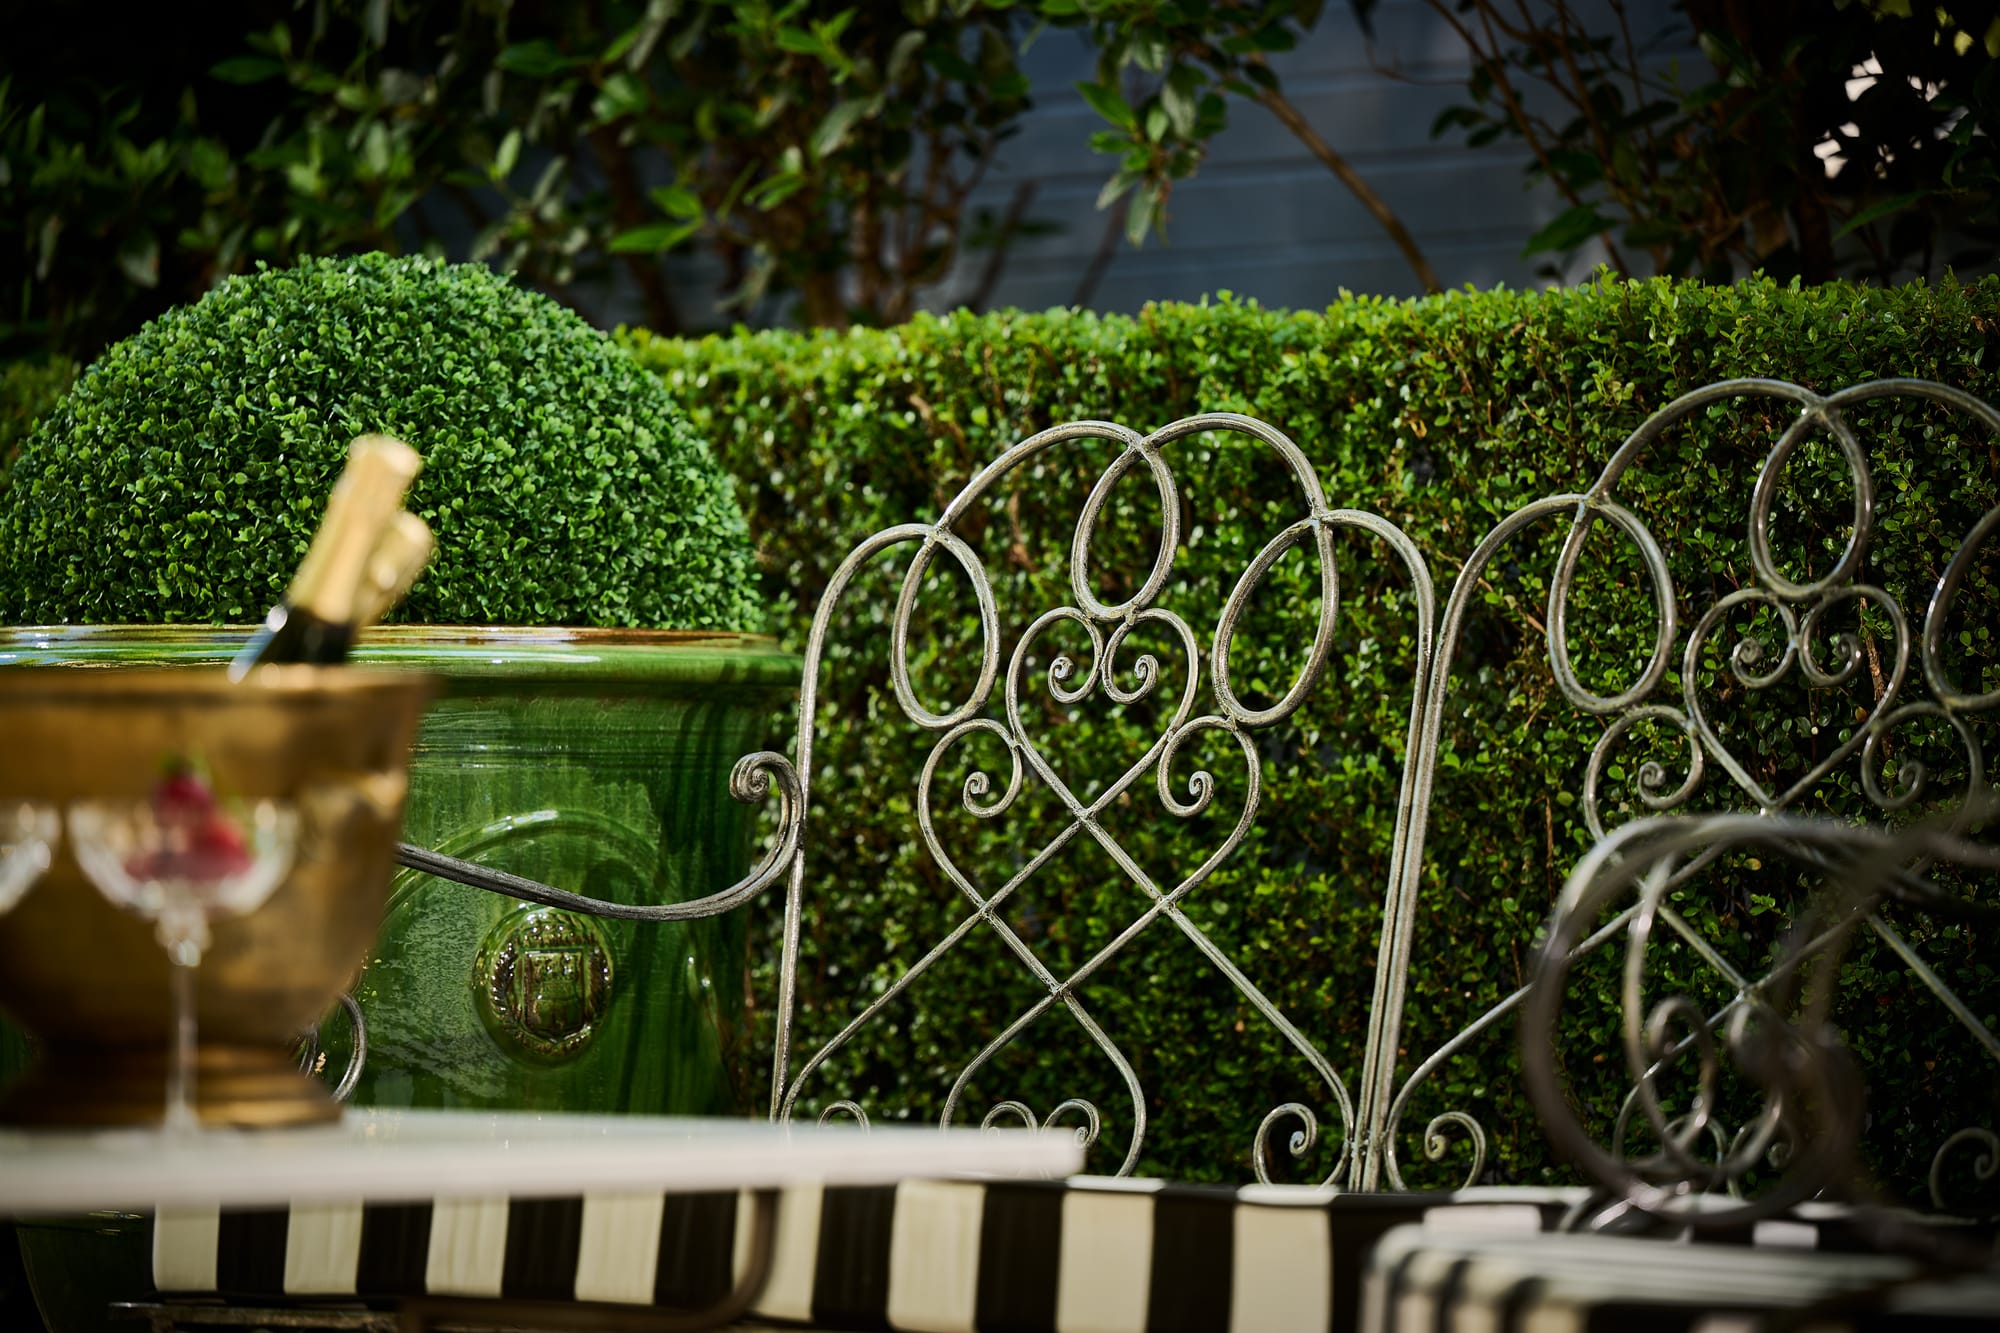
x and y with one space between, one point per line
1425 1278
1087 1253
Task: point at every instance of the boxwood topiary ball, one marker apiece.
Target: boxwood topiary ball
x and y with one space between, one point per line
182 477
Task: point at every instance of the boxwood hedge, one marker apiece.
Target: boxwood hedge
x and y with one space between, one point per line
1443 415
182 476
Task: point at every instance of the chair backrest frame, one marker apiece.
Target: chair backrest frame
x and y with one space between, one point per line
1375 1104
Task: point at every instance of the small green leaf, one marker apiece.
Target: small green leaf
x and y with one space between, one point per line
624 94
833 128
801 42
1116 186
1569 230
903 53
677 201
769 193
247 69
537 59
1177 99
507 155
1108 103
1139 221
1881 208
139 257
653 237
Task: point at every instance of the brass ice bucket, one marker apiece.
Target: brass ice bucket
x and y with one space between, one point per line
89 982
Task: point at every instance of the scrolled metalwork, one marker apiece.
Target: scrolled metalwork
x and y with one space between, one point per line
1777 1028
1086 1133
1984 1167
751 781
1437 1144
1298 1145
1827 631
312 1058
996 712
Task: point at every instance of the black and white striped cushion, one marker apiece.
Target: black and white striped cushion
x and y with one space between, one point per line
1088 1253
1431 1277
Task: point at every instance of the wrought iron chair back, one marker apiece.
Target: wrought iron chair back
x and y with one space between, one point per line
997 709
1899 656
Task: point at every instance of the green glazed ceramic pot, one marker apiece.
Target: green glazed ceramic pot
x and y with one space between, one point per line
594 760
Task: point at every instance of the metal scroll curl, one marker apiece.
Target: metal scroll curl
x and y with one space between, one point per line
1776 1031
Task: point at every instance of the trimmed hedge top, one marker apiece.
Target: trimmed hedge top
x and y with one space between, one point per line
182 477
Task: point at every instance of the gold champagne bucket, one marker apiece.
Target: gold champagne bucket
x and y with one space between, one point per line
90 982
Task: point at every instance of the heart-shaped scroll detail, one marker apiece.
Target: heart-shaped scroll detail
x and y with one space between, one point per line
1801 636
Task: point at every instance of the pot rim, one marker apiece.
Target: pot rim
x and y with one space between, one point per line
148 686
206 632
601 655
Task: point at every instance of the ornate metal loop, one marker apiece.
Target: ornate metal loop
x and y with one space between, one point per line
311 1055
1681 1128
1912 773
1002 1110
1984 1167
1087 1132
1763 495
1809 1084
843 1106
1665 607
1748 653
357 1056
977 783
1086 529
899 631
1437 1144
1938 613
1775 1140
1101 664
1062 666
1146 670
1239 601
1300 1143
1652 776
1799 638
751 781
1657 1051
1201 783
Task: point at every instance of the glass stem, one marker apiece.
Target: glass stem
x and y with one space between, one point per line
181 1118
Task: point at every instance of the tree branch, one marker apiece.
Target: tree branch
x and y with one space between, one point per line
1107 249
1288 115
628 210
1003 239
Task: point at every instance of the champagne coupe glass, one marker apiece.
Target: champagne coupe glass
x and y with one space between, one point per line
27 831
182 859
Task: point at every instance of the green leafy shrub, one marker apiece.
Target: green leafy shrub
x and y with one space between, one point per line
182 477
28 389
1443 415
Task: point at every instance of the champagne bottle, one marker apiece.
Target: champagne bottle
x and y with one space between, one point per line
317 620
399 556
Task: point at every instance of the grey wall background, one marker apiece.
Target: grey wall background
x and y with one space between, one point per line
1263 218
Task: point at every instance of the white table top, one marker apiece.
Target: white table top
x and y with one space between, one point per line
391 1155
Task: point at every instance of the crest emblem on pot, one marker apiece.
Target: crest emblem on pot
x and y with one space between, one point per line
543 981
